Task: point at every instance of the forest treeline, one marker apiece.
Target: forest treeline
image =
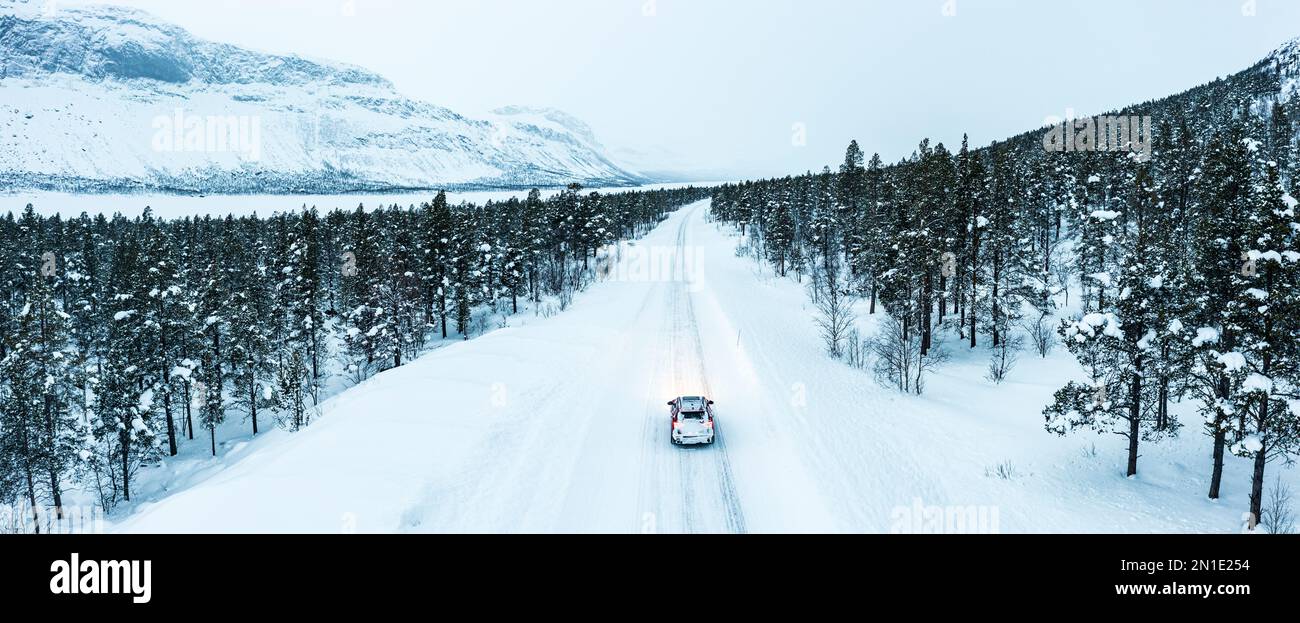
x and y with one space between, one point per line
1171 275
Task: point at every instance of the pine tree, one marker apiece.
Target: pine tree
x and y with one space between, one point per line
1223 195
41 436
361 286
436 225
464 275
537 237
214 298
1116 345
123 398
779 232
21 403
250 342
301 286
291 391
826 221
1002 252
837 228
514 253
1268 324
971 206
400 291
167 320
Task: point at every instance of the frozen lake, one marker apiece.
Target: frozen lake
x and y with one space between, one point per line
175 206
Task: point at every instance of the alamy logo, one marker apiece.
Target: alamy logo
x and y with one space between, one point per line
920 518
655 264
1101 134
102 577
181 132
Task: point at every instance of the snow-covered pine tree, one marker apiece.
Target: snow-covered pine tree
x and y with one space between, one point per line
83 282
1095 220
213 327
537 237
1002 251
1115 345
123 400
1268 325
306 319
250 346
971 205
1167 270
838 227
167 320
291 395
875 226
464 270
435 259
779 231
1281 138
400 291
362 265
41 436
21 403
514 253
1222 193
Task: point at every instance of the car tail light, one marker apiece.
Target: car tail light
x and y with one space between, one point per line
677 425
709 424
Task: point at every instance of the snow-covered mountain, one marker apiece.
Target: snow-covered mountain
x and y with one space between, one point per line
109 99
1286 62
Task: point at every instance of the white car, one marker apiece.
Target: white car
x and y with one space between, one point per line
692 421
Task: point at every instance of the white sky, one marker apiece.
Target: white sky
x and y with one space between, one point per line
722 83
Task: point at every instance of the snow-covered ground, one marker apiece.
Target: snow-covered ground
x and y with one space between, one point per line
71 205
561 426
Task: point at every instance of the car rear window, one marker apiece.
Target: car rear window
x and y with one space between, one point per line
693 415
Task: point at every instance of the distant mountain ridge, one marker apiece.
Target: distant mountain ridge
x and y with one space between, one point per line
1275 79
90 95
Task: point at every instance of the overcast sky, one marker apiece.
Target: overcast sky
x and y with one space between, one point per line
728 84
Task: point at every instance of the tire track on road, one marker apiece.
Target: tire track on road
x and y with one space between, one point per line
686 329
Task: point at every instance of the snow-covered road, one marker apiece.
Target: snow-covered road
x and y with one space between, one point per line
560 425
591 452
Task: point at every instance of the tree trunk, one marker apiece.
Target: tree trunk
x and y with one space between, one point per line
1216 475
996 310
50 426
1257 477
927 308
31 498
1134 418
1257 487
125 439
943 297
56 493
189 413
974 307
252 401
1163 416
442 313
171 423
315 359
